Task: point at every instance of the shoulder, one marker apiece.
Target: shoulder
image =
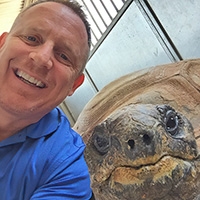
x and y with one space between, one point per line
54 140
55 126
61 138
66 135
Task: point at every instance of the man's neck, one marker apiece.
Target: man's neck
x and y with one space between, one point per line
10 124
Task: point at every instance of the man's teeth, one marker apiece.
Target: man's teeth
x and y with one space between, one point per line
30 79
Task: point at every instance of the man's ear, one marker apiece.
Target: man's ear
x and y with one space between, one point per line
77 83
3 38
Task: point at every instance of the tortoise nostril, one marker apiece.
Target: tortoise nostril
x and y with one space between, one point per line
131 144
146 139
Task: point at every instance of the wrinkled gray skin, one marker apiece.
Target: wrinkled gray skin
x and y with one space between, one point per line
144 152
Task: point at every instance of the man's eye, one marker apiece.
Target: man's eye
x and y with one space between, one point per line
31 38
63 56
64 59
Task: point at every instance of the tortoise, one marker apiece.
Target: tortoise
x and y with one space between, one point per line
142 135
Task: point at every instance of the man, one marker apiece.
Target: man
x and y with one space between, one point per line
41 62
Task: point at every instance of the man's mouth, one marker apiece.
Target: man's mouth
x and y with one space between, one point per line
29 79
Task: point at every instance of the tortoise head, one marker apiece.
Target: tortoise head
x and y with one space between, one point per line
141 152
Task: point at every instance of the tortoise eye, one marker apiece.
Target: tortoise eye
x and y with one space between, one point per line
101 143
171 122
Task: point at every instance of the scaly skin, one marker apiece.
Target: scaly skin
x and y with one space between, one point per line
144 152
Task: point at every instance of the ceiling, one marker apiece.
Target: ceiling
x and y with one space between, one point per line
9 9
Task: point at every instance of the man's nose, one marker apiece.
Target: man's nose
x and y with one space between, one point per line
42 55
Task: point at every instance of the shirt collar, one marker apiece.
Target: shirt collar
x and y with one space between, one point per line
45 126
48 124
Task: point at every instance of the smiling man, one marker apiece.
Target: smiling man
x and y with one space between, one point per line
41 63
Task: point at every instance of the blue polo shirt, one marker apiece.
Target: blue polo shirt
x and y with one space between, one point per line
44 161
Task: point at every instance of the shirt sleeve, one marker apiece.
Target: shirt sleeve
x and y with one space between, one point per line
67 182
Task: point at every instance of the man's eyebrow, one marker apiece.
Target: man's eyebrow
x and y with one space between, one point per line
36 29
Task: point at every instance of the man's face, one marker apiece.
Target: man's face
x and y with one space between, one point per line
41 59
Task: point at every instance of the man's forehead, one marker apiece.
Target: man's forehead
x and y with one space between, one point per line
52 7
48 13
